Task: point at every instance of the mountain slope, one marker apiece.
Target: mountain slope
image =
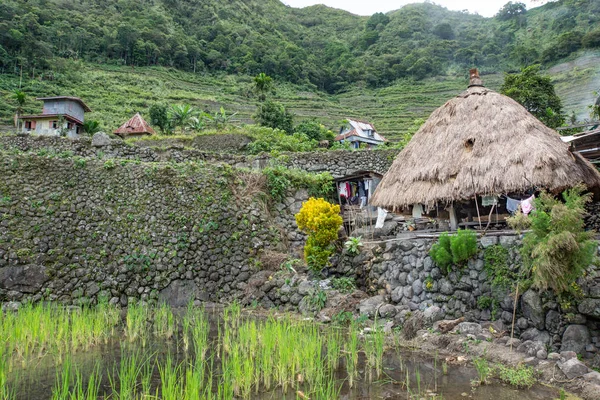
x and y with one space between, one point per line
327 48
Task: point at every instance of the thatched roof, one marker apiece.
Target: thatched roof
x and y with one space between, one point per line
480 143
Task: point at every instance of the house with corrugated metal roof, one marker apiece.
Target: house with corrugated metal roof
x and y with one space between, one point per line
136 126
61 116
359 134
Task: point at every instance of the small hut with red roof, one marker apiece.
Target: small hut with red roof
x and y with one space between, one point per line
136 126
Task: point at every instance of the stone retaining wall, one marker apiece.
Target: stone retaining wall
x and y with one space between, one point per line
73 230
339 163
402 274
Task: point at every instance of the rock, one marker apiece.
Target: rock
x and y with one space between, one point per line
531 305
433 314
387 311
554 356
514 342
531 361
387 328
11 306
536 336
179 293
522 323
531 348
552 321
24 279
542 354
590 307
575 338
468 328
446 326
413 324
100 139
567 355
573 368
593 377
417 287
446 287
369 306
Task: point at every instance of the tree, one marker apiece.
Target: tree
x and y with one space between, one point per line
314 130
91 126
159 116
535 92
263 85
511 10
274 115
20 97
377 21
444 31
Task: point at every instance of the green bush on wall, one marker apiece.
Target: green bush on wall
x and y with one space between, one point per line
454 250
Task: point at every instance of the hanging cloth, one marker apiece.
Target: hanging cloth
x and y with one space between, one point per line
381 215
527 205
342 189
489 201
512 205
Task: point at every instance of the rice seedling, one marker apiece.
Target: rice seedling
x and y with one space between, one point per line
6 392
136 323
130 369
351 350
63 381
164 322
171 387
483 370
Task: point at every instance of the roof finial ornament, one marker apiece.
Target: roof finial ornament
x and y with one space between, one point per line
474 79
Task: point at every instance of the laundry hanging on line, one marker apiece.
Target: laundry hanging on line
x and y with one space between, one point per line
526 206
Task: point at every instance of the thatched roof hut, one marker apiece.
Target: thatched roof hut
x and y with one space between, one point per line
480 143
136 126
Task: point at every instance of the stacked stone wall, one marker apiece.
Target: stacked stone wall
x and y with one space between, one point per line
75 229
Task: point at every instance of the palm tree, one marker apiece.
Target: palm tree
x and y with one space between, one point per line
181 114
20 97
91 126
263 84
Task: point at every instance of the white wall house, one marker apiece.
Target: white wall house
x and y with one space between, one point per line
61 116
360 133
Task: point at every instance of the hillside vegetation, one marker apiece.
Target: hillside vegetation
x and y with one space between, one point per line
123 56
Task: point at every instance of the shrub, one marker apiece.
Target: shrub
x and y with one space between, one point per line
280 179
343 284
521 376
558 250
321 221
353 245
454 250
441 252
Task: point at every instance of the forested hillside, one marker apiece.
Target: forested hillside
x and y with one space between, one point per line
122 56
326 47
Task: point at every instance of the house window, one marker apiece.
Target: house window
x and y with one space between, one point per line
54 124
28 125
370 133
69 125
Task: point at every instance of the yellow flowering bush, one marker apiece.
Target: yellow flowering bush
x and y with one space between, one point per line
321 221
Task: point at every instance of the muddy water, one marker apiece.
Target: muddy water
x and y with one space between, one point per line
425 374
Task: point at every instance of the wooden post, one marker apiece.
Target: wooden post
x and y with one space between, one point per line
453 219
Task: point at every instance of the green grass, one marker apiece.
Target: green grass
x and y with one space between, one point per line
116 93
